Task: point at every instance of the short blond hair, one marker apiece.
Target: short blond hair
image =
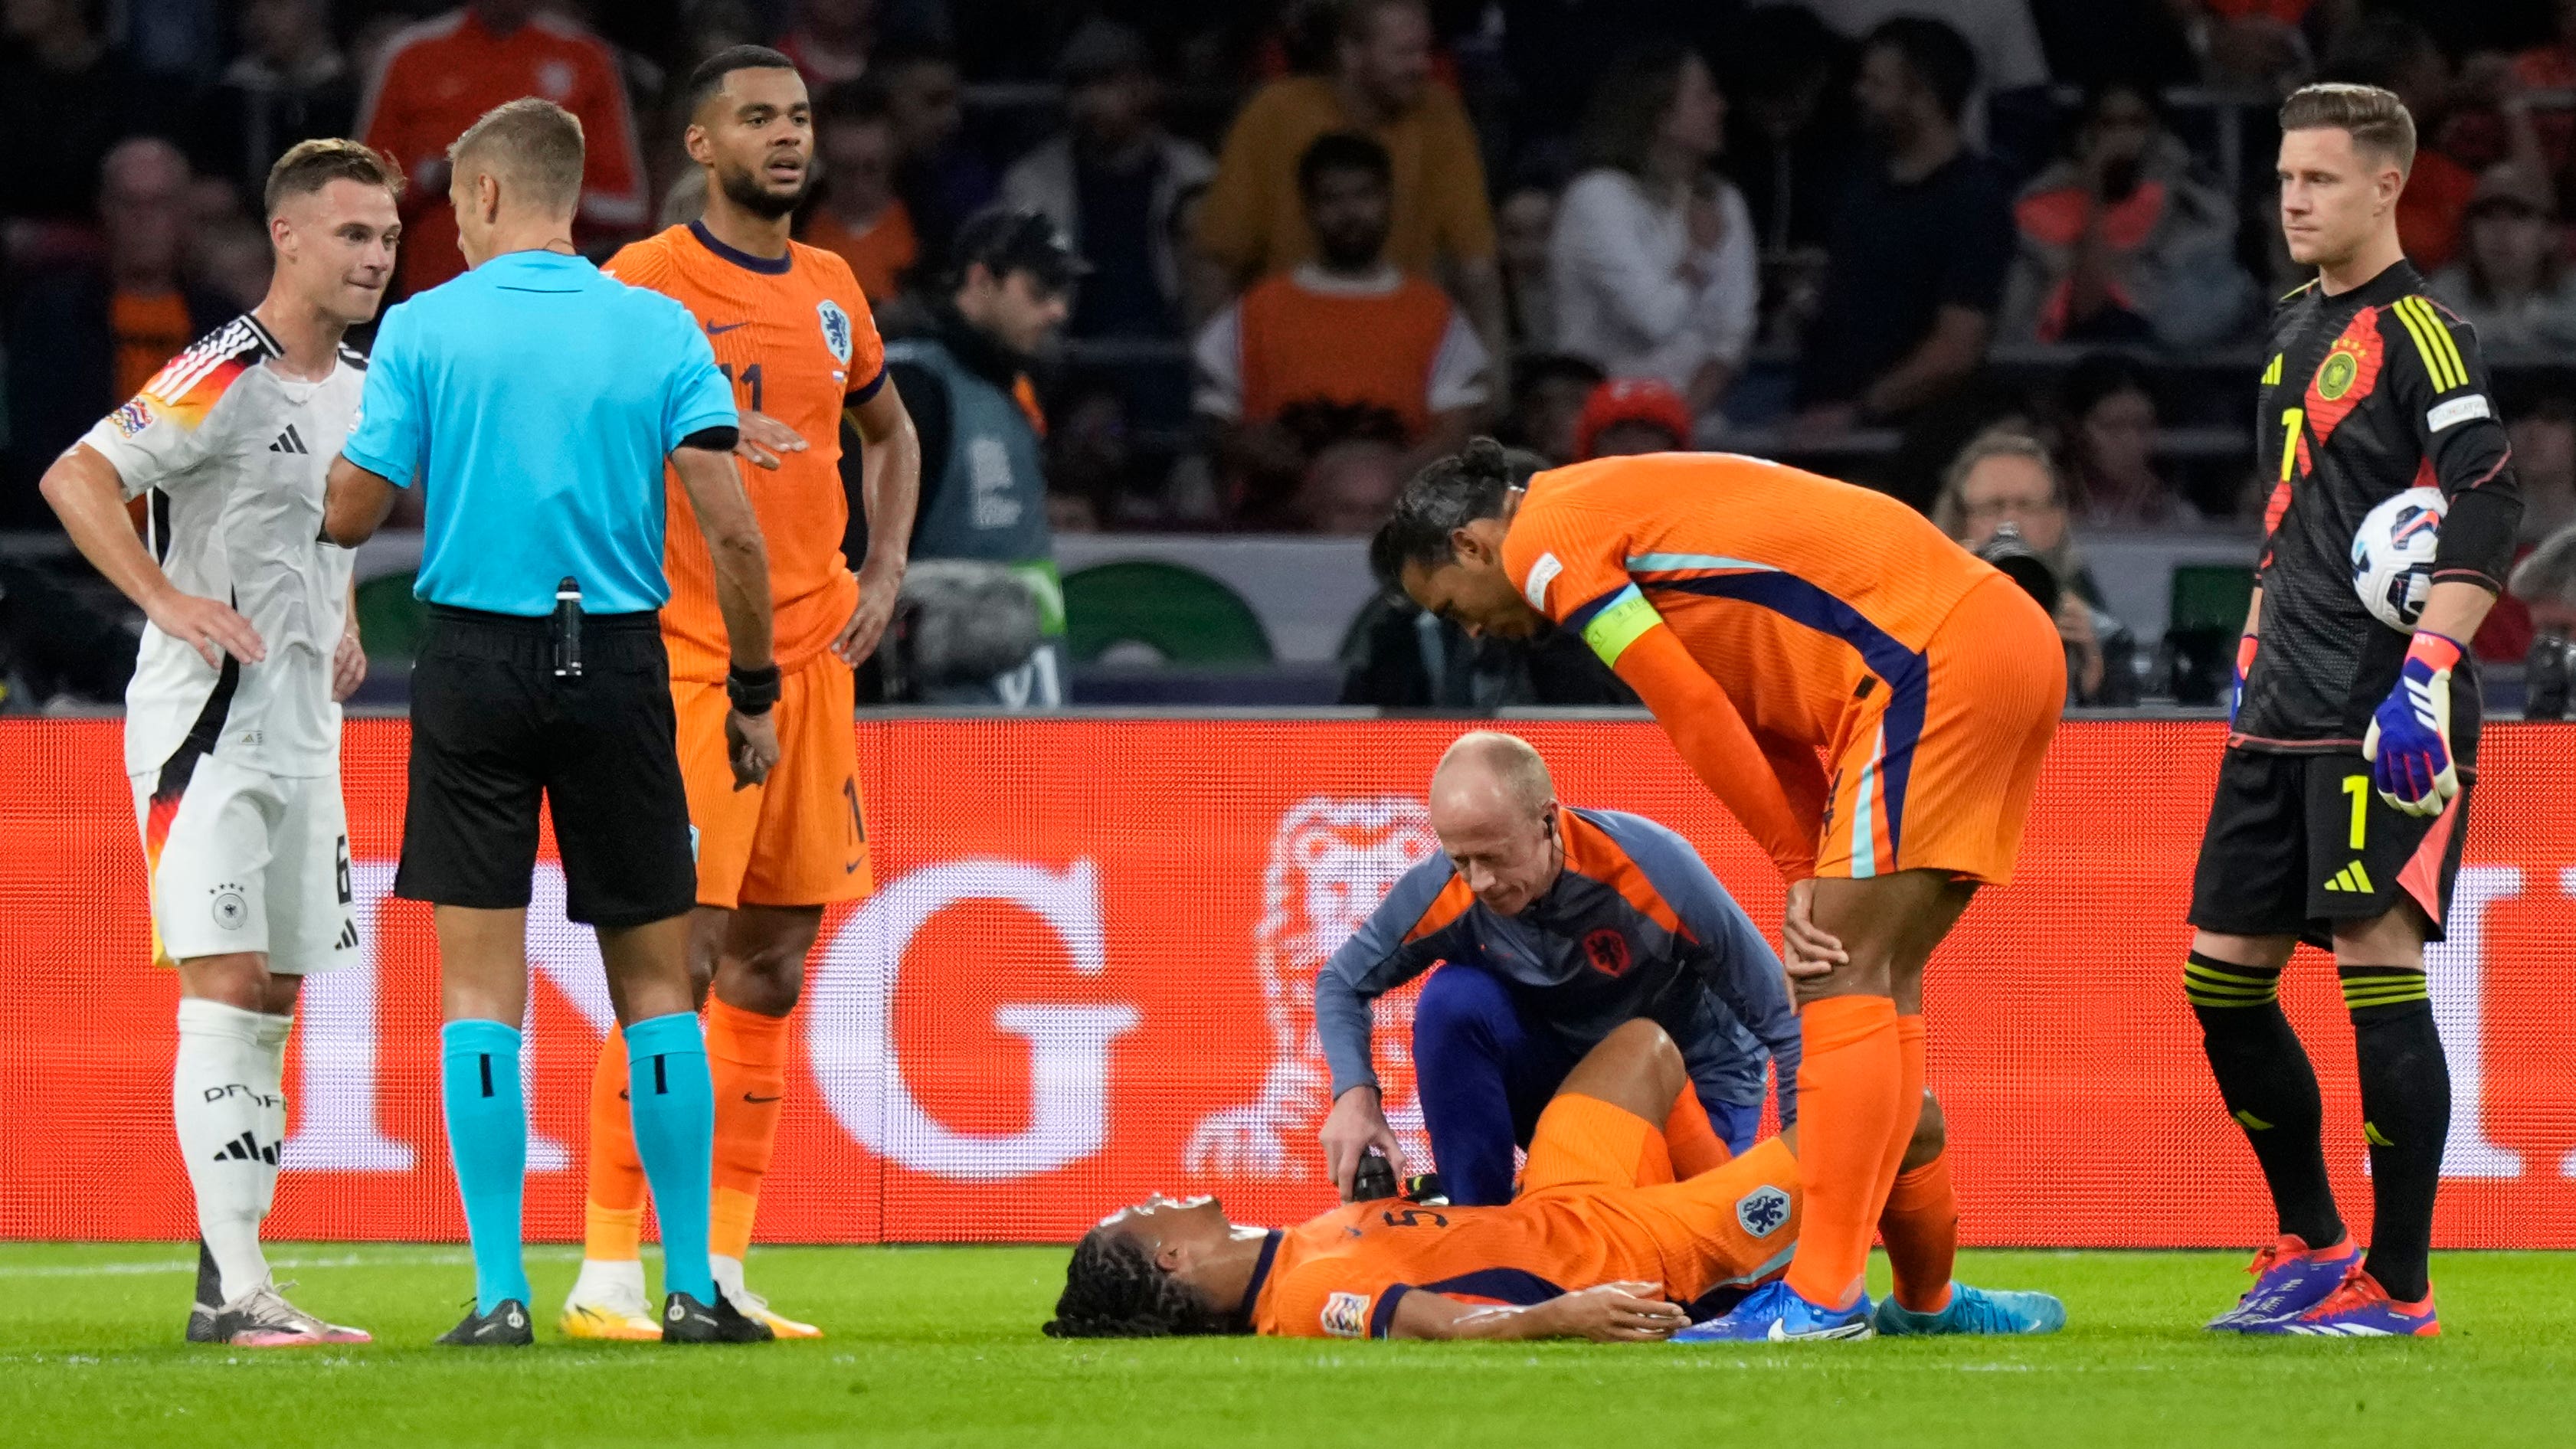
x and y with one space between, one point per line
308 166
533 142
2375 119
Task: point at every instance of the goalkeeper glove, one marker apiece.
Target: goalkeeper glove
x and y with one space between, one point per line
2236 681
2409 741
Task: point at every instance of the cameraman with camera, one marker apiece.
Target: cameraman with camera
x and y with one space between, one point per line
2002 500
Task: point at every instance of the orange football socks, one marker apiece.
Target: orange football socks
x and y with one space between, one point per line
1920 1224
613 1218
1692 1140
747 1053
1850 1091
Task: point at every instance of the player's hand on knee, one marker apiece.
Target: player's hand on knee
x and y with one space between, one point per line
751 743
1356 1124
1619 1313
1811 952
764 440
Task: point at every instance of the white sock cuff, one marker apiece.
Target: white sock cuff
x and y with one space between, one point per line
273 1031
200 1017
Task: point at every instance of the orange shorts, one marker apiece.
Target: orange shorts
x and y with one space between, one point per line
1937 774
797 838
1607 1171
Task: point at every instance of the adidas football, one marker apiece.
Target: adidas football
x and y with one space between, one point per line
2392 556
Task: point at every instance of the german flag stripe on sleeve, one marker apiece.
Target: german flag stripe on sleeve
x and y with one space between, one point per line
2432 340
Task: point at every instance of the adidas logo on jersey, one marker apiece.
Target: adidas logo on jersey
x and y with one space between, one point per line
348 940
289 442
246 1148
2352 878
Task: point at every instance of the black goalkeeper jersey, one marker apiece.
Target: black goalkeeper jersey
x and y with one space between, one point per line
2365 395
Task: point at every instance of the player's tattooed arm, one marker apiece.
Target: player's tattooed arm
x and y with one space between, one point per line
1610 1313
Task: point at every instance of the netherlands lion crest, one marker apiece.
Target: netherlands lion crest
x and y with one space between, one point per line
836 329
1762 1211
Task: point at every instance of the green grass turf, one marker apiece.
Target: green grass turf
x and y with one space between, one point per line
940 1346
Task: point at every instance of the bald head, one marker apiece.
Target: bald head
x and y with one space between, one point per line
1492 806
1489 770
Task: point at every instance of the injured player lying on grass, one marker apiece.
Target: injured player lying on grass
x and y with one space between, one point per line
1601 1243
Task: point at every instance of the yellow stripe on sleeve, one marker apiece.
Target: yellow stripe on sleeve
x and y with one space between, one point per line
2433 341
1618 626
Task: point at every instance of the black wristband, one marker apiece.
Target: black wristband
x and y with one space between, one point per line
752 691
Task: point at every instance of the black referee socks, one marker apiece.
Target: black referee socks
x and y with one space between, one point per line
2406 1116
2271 1090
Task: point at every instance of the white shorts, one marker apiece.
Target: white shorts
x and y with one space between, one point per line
248 861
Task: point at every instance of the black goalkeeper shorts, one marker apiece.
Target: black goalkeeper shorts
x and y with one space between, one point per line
493 730
2297 843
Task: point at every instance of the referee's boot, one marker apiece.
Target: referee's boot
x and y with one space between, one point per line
686 1320
506 1326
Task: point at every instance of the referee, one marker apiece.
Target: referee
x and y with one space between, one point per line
533 400
2344 793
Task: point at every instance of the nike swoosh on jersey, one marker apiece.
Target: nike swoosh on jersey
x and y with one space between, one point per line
718 328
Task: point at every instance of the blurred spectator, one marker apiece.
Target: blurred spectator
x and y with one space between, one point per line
1111 182
983 472
2110 421
1792 141
84 337
2544 584
1549 393
2125 240
1626 416
1919 247
1652 265
2257 44
2004 477
1346 327
1350 487
2386 50
1253 221
442 74
290 84
1090 451
2512 281
941 179
231 261
2544 463
1522 226
2552 67
2000 37
65 98
859 216
830 41
2092 43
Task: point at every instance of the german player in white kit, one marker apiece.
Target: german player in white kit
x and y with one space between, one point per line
232 725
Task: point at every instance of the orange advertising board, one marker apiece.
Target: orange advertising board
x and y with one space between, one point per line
1086 975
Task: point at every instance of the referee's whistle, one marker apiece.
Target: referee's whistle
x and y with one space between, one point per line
568 629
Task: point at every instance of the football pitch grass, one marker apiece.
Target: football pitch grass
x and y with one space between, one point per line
940 1346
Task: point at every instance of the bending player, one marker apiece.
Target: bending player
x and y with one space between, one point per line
232 720
792 329
1871 703
1602 1243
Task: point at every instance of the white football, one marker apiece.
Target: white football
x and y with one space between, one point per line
2392 556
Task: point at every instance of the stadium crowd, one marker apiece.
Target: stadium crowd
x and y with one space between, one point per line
2006 259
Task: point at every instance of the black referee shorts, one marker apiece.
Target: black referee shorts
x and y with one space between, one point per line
492 729
2299 843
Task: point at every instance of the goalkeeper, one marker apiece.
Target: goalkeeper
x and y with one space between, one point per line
1603 1243
2343 797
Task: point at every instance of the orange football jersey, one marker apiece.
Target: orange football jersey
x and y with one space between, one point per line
796 337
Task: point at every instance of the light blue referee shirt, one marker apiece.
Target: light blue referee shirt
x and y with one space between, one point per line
535 400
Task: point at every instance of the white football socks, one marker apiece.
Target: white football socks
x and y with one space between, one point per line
273 1031
220 1106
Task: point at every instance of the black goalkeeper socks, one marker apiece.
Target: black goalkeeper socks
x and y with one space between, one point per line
2271 1091
2406 1117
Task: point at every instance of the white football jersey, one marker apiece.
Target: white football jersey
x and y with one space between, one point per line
232 453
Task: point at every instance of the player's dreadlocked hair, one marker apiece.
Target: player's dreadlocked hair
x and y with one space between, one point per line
1113 1289
1444 497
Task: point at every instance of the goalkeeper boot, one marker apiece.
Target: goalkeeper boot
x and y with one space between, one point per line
2289 1279
607 1302
686 1320
210 1297
262 1318
728 1276
1973 1310
2362 1309
506 1326
1776 1313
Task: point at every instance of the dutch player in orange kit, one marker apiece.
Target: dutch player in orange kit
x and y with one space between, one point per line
791 327
1870 702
